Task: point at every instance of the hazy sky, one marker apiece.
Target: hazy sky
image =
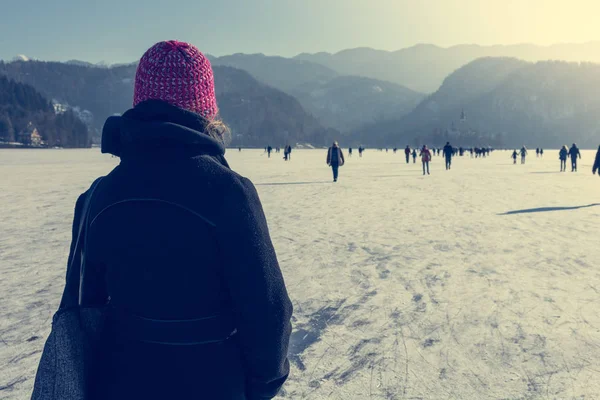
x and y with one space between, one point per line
120 30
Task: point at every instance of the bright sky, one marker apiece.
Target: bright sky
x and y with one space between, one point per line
120 30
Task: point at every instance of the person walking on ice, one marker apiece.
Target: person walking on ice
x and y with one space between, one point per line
562 155
574 153
335 159
448 152
426 158
514 156
523 154
414 155
407 153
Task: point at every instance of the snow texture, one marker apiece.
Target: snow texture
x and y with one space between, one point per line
477 283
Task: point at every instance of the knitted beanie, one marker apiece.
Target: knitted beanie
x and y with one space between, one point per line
179 74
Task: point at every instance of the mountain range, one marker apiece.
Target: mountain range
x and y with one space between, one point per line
505 102
341 102
497 95
424 67
257 113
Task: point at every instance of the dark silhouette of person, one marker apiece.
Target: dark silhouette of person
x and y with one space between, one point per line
574 153
523 154
563 154
514 156
269 150
335 159
414 155
448 153
426 159
597 162
350 151
537 152
542 153
287 153
407 154
178 251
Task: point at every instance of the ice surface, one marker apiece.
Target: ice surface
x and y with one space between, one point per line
404 286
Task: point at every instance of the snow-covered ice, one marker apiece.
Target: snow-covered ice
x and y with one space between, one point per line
478 283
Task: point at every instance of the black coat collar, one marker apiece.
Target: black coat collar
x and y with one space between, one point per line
156 129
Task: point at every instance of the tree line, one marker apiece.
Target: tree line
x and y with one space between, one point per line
23 109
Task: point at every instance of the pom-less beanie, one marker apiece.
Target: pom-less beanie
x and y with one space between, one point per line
179 74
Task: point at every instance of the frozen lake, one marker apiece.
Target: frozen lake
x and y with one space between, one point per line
478 283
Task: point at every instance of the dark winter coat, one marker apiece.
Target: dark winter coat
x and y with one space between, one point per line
448 151
200 309
563 154
332 159
574 152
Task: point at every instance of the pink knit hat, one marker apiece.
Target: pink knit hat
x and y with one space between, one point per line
179 74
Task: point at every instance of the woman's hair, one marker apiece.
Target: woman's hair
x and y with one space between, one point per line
218 130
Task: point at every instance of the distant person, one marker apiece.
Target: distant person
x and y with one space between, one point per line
563 154
350 152
448 153
514 156
597 162
537 152
269 150
523 154
542 153
407 154
414 155
361 151
426 159
574 153
335 159
177 252
240 149
395 150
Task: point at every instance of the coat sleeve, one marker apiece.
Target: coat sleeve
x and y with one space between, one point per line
329 156
597 162
71 290
262 308
342 157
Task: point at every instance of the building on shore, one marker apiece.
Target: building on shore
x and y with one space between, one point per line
30 137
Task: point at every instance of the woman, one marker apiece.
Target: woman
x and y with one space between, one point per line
335 159
426 158
563 154
198 308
